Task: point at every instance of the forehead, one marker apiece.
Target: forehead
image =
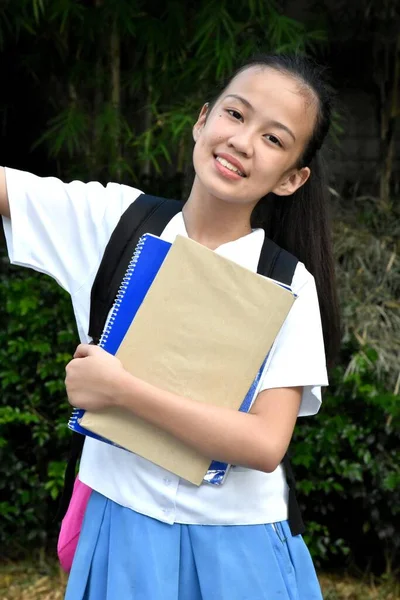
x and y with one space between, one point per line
277 96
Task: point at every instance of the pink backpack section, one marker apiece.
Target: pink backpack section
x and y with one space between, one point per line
72 524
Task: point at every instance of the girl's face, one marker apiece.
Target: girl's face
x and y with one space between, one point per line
254 135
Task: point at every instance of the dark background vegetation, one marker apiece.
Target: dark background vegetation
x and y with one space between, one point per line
108 90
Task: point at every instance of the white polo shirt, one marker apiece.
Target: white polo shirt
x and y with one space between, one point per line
62 230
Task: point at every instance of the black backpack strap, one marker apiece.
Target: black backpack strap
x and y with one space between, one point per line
75 451
295 519
280 265
148 214
276 263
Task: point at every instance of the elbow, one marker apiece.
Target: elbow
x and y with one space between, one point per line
266 445
267 462
261 449
269 466
268 457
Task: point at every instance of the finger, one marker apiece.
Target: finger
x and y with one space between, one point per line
82 351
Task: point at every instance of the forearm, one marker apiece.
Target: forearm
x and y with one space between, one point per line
217 433
95 380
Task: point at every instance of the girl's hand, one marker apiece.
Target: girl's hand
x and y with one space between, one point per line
92 378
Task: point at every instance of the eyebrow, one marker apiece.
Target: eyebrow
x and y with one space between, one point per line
277 124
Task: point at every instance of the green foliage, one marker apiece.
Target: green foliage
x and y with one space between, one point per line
348 457
366 245
37 342
123 81
348 463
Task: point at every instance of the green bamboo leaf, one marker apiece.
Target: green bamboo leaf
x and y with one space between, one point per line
155 164
165 152
67 131
38 9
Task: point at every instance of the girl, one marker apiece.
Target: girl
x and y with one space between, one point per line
147 534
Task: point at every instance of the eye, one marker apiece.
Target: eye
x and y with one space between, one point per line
273 139
235 114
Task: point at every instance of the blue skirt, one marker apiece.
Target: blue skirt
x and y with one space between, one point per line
123 555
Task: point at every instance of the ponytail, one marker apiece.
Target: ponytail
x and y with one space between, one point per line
300 224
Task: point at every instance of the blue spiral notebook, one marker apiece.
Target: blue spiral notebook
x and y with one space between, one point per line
148 258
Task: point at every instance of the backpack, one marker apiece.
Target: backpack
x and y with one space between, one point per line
151 214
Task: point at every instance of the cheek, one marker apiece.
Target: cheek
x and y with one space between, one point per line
215 128
212 135
204 144
199 154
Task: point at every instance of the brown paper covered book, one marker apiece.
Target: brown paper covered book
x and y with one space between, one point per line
202 331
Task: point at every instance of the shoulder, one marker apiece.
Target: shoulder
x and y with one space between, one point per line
302 279
91 208
32 185
306 309
114 197
118 198
298 355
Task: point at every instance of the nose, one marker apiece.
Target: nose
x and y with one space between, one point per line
242 142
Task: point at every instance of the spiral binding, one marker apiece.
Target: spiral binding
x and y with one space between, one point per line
73 421
77 413
122 290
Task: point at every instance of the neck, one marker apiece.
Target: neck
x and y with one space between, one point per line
213 222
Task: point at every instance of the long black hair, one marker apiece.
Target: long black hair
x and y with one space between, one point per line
300 222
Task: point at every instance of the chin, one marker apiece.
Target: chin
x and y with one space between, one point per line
223 195
227 195
221 191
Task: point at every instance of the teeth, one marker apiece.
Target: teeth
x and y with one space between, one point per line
228 165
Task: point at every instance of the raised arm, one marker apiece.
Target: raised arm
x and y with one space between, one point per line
57 228
4 205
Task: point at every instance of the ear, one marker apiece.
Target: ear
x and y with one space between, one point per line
198 126
291 183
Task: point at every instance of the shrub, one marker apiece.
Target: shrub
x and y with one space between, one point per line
347 463
37 341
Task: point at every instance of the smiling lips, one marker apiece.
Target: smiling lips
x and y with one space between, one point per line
229 166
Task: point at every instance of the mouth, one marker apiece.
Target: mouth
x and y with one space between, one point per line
229 166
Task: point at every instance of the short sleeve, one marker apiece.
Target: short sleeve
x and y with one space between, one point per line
61 229
297 357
